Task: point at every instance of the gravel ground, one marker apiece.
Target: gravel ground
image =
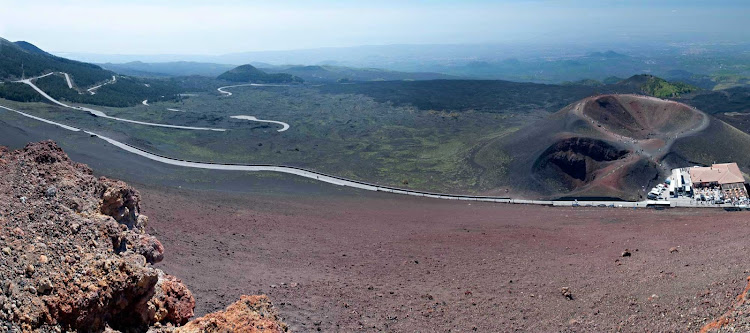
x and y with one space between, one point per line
347 261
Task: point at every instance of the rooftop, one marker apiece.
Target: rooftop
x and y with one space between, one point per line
722 173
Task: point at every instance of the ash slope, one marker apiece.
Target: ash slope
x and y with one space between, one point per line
614 146
75 256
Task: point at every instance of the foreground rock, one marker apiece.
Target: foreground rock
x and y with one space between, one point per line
75 256
736 319
249 314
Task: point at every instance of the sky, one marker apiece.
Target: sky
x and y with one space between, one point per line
229 26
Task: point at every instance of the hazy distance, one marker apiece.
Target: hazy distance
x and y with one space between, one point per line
215 28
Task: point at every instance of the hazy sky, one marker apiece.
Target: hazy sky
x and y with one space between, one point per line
218 27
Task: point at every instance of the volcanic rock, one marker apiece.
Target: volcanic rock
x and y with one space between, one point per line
75 256
252 314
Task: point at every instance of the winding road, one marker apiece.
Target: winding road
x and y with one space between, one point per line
226 93
92 90
69 128
104 115
328 178
284 125
300 171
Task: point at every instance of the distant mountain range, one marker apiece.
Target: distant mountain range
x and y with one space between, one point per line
321 74
706 65
166 80
165 69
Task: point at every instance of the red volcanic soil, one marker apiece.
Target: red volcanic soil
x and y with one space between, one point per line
353 261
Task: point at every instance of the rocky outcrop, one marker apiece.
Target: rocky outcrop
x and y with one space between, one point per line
252 314
74 254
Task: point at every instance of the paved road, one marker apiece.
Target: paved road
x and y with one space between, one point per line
284 125
226 93
92 90
104 115
67 79
326 178
69 128
338 180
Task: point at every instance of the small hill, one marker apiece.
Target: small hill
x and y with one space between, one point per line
23 59
248 73
612 80
608 146
657 87
607 55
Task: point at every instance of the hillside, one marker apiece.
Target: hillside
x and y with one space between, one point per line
250 74
610 146
24 59
658 87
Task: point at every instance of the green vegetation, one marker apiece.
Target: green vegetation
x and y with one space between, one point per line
19 92
612 80
473 95
661 88
125 92
349 135
248 73
23 59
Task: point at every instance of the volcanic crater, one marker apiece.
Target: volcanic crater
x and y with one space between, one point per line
601 146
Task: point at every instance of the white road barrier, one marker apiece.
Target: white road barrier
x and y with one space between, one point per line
69 128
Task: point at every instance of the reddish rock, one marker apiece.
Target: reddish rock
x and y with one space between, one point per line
252 314
75 256
81 268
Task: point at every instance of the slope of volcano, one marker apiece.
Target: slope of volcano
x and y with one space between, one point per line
601 146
